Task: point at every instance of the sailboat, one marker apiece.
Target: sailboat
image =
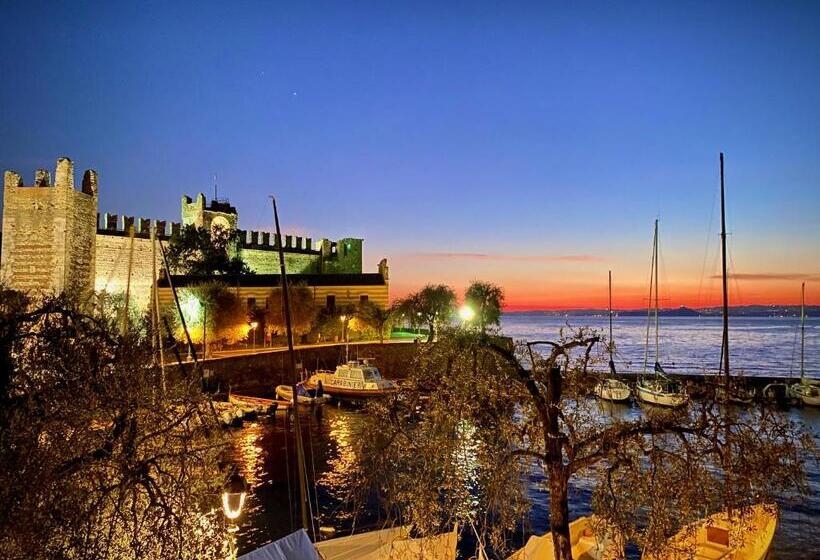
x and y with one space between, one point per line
806 390
612 389
658 389
734 392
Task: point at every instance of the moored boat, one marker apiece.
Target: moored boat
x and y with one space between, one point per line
304 395
807 390
356 379
259 405
591 538
661 391
745 535
612 389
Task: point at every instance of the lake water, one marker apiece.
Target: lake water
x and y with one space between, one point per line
758 346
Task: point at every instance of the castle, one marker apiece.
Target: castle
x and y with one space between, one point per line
54 240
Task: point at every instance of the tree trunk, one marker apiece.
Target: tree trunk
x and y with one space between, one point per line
559 481
432 332
559 513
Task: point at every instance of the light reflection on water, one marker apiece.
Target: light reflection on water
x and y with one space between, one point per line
259 449
762 346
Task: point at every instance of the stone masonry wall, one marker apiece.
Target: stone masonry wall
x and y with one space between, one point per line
111 274
263 261
48 232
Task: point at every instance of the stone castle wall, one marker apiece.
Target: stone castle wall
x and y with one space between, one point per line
49 232
52 240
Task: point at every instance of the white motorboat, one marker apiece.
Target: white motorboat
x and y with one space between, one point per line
356 379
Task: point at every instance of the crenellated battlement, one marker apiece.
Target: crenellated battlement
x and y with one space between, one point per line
114 224
266 241
63 178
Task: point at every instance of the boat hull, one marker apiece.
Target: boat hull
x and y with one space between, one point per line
744 537
660 398
285 392
590 539
612 390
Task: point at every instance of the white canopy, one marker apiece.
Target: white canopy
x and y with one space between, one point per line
296 546
390 544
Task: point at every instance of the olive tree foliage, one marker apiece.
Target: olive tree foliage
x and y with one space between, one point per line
211 310
204 251
477 418
95 461
302 310
377 318
433 306
486 300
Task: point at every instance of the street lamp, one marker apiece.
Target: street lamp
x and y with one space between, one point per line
466 313
234 493
343 319
253 330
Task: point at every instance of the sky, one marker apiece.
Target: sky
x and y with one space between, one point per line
527 144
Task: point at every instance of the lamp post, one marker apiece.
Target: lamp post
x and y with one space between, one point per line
343 319
254 324
234 492
466 313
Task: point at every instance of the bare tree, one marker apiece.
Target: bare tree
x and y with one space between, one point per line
499 411
95 460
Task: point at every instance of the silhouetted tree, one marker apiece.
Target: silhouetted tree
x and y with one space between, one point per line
433 306
204 252
95 460
486 300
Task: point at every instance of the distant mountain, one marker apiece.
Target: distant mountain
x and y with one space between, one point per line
736 311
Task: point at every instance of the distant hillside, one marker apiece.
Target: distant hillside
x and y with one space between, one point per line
736 311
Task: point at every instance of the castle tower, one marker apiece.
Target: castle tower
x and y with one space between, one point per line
200 214
49 232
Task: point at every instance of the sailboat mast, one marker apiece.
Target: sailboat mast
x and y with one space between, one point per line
802 327
649 303
725 280
610 315
300 452
657 308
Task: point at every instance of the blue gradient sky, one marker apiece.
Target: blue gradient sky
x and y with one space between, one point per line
528 144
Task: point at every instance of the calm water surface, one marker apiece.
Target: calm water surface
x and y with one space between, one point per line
759 347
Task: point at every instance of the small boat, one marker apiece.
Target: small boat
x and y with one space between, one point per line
356 379
776 393
738 394
304 395
590 537
659 389
807 390
259 405
611 389
746 535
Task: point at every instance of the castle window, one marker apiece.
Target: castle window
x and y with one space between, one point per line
251 303
364 298
331 303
